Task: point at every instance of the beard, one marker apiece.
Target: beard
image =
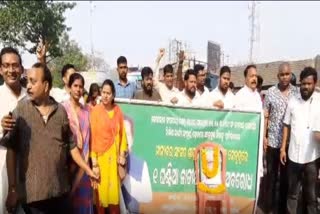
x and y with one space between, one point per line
148 89
191 93
305 94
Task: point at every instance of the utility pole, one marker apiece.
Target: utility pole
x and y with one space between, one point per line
91 36
252 29
170 51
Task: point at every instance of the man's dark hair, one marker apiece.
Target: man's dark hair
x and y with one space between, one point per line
10 50
198 68
309 71
260 81
293 80
247 69
121 60
188 73
93 88
225 69
231 85
167 69
146 71
65 68
46 73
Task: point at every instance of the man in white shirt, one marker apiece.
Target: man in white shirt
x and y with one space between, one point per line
304 152
222 97
167 90
10 92
248 98
189 97
202 90
63 94
316 129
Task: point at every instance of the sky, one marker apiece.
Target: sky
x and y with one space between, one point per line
287 30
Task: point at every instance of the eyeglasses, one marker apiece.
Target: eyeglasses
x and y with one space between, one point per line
14 66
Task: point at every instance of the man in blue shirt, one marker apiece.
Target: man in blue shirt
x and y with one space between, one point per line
124 88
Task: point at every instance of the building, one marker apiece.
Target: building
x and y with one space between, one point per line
268 71
213 57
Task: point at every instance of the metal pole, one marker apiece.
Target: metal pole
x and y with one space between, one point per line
252 37
91 36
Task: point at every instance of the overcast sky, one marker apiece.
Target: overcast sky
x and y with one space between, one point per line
288 30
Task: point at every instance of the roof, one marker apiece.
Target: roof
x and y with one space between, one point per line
269 71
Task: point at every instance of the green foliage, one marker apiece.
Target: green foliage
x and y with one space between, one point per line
71 54
25 23
57 81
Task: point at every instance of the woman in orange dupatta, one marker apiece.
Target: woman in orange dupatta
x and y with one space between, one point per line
109 147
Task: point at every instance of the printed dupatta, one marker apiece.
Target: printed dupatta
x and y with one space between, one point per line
80 127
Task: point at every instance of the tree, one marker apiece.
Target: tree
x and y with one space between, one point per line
71 54
25 24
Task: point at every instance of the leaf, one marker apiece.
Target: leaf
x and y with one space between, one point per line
24 22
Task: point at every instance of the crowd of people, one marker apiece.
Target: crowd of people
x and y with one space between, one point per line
62 152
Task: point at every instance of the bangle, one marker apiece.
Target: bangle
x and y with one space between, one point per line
95 165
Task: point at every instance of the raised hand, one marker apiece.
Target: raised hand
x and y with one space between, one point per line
41 51
160 55
181 57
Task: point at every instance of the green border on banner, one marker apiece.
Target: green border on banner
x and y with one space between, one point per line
165 138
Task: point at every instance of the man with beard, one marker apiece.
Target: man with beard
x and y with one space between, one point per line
189 96
275 104
304 151
222 97
248 98
147 93
202 90
124 88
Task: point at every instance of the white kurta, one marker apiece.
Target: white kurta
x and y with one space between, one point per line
227 99
9 101
248 100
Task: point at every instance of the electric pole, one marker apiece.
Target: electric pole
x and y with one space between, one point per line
254 29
